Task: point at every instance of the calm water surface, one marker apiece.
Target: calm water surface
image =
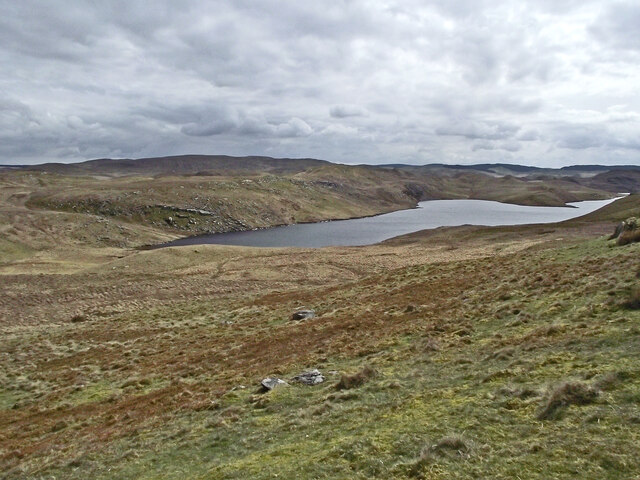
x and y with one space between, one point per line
365 231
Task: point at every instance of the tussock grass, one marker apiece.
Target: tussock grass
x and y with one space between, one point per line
450 447
466 360
357 379
564 395
633 301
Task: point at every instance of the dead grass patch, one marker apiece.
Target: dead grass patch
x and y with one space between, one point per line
610 381
449 447
357 379
633 301
628 236
564 395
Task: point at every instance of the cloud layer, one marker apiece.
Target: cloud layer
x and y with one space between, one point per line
541 82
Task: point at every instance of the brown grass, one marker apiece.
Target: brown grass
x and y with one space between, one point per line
357 379
451 446
174 331
564 395
633 302
629 236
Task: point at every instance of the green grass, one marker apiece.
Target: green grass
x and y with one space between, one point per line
13 251
458 393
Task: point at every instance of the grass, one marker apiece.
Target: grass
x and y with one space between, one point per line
565 394
147 364
357 379
464 373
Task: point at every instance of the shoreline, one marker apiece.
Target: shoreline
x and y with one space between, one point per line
171 243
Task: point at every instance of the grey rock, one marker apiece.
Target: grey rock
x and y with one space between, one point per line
617 232
303 314
270 383
631 224
312 377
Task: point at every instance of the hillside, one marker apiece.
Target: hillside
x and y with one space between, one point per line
106 203
471 351
180 165
228 165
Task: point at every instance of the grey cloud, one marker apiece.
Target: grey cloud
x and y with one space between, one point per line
9 105
412 81
218 121
343 111
296 127
581 140
528 135
619 26
583 136
229 120
475 130
509 146
482 145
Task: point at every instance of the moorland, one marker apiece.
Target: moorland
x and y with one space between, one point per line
465 352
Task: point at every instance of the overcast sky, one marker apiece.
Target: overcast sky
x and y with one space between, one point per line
539 82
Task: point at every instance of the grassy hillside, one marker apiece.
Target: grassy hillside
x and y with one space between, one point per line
466 352
181 165
40 209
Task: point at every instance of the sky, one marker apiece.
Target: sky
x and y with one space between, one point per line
544 82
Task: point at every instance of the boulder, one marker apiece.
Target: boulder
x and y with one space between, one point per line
617 231
303 314
627 232
312 377
270 383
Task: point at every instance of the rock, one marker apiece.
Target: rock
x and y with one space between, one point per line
303 314
312 377
270 383
617 232
627 232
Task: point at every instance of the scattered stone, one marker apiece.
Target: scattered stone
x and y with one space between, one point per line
303 314
312 377
270 383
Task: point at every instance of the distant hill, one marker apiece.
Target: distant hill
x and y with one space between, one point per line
181 165
617 178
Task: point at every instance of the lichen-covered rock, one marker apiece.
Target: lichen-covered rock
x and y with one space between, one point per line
627 232
312 377
616 233
270 383
303 314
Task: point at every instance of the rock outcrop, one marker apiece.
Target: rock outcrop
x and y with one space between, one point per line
627 232
311 377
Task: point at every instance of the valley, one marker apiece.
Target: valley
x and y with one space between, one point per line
470 351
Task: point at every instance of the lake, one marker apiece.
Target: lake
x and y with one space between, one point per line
365 231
